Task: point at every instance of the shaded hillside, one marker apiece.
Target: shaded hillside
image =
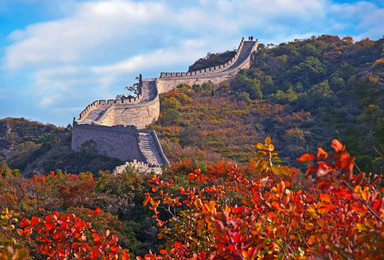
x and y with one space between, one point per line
302 94
212 59
35 147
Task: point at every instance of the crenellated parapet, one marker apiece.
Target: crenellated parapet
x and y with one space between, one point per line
117 126
104 104
251 46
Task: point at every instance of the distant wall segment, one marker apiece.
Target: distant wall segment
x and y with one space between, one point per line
242 60
113 125
206 71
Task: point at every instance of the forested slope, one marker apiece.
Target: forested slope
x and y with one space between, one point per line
302 94
33 147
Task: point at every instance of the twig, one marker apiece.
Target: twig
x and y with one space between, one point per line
377 216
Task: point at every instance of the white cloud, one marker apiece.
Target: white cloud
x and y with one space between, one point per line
68 40
47 101
190 50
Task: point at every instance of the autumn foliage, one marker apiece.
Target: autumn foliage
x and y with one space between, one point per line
65 237
264 210
246 217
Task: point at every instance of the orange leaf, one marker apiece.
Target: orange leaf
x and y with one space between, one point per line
321 154
306 158
271 215
337 146
276 205
325 197
347 163
19 231
311 240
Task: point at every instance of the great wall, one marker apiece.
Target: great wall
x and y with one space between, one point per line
117 126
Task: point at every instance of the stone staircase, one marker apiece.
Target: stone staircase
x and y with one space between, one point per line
149 149
97 117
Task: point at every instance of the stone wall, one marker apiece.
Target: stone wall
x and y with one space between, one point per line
167 85
113 124
139 115
205 71
169 81
117 141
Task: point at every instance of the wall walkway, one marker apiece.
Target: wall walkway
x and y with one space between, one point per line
103 120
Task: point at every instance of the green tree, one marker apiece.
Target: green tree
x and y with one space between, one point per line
244 84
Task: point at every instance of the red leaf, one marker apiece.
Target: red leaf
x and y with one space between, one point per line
306 158
359 178
178 245
96 252
27 231
25 222
232 248
311 169
97 210
35 221
347 163
377 205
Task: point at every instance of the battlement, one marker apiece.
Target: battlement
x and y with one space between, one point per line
105 104
117 126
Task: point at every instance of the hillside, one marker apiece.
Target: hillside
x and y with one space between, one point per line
231 192
33 147
303 94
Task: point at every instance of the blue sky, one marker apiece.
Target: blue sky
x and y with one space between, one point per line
57 56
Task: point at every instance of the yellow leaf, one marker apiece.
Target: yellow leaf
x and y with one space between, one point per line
268 140
360 226
260 146
365 193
